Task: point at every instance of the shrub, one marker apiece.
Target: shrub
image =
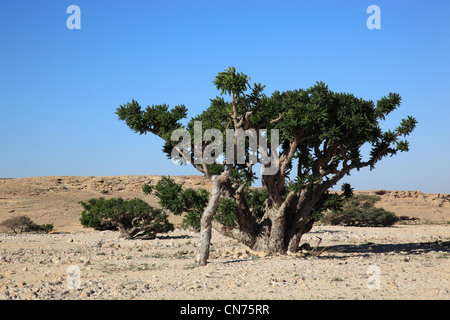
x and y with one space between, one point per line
359 210
133 218
47 228
22 224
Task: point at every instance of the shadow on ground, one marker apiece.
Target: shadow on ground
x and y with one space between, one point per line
406 248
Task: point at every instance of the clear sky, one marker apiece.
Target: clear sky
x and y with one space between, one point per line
59 87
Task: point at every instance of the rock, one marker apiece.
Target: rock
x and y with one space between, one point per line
28 296
4 297
107 244
5 292
56 260
87 262
116 293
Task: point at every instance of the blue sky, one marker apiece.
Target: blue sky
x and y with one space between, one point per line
59 88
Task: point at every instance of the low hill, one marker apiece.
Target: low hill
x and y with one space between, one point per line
55 199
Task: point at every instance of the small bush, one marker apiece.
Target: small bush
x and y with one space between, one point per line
22 224
47 228
133 218
359 210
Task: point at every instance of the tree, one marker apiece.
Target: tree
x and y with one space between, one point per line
321 135
25 224
133 218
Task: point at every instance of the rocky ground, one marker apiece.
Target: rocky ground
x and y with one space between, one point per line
400 262
413 263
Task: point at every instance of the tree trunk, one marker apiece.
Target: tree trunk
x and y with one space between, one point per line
277 231
295 239
202 254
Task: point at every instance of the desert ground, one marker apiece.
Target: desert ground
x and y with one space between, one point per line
409 260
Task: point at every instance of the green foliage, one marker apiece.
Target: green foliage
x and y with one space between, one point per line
157 119
255 199
191 220
46 228
340 123
360 211
231 81
172 197
226 212
134 218
191 203
95 213
332 201
25 224
168 193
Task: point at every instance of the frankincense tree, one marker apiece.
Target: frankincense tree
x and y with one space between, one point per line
319 138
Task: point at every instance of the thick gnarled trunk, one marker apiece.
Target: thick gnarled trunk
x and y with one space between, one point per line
283 225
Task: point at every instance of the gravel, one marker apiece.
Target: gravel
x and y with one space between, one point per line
401 262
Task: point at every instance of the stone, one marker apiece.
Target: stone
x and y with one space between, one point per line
28 296
87 262
84 294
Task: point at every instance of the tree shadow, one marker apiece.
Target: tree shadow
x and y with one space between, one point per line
184 236
406 248
233 261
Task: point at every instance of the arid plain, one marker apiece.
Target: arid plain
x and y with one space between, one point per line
409 260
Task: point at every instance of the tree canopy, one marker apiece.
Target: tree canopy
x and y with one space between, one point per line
320 135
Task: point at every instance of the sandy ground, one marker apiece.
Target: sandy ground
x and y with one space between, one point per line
406 261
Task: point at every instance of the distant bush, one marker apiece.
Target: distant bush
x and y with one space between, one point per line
47 228
22 224
359 210
133 218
